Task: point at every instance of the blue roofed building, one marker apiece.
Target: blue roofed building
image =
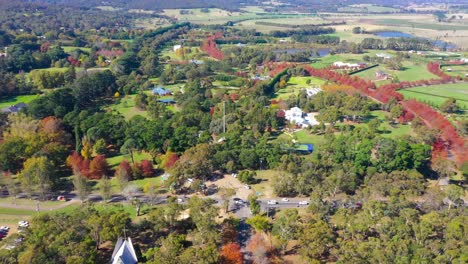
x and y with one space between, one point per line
161 91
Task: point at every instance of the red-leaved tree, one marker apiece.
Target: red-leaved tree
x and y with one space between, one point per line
147 169
231 254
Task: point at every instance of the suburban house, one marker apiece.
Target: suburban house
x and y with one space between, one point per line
176 47
299 118
161 91
124 253
14 108
381 75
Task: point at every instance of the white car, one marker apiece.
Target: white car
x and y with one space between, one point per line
247 187
4 228
272 202
285 200
303 202
23 223
180 200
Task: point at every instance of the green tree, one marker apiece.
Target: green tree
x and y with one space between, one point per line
316 239
259 223
449 106
129 147
37 175
81 185
105 188
226 194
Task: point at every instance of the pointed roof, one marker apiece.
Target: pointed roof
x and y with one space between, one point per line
124 253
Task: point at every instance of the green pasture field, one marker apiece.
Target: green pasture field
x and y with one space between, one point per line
6 102
364 8
457 70
432 24
296 84
215 16
281 19
412 71
437 94
70 49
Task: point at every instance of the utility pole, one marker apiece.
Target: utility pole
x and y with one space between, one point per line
224 117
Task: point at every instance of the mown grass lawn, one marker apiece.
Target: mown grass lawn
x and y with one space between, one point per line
137 156
436 94
6 102
126 107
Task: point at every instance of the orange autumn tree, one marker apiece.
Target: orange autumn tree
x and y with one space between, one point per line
231 254
98 167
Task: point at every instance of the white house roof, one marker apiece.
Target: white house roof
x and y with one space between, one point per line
124 253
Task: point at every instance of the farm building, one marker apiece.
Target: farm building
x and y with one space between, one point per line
161 91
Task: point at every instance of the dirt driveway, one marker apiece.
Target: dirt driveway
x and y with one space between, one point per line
229 181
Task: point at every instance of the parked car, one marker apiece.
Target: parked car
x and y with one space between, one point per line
285 200
180 200
61 198
23 223
4 228
303 202
247 187
272 202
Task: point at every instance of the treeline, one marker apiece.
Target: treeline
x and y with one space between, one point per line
305 32
264 23
398 44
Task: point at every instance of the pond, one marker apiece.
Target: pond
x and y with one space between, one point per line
398 34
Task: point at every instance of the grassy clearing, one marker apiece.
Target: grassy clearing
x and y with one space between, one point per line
390 131
6 102
70 49
305 137
296 84
437 94
264 188
126 107
137 156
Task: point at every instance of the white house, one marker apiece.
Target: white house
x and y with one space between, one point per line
124 253
299 118
176 47
312 91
